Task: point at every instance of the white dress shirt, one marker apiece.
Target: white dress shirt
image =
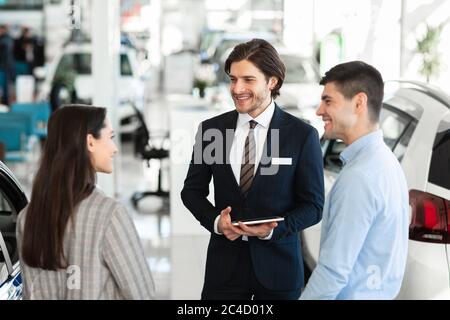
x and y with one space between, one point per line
237 148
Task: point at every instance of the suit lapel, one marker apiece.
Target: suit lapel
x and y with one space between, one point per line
228 130
277 122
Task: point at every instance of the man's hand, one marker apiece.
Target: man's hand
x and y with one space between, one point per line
225 227
261 230
233 232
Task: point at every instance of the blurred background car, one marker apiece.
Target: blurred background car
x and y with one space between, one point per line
215 43
415 120
69 80
12 200
300 93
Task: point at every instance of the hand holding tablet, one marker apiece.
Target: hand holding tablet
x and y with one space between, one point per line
257 220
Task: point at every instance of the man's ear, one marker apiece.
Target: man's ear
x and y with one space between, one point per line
360 102
90 142
273 81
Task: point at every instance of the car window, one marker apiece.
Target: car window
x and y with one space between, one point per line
74 63
65 72
82 63
400 148
332 160
393 125
125 65
439 173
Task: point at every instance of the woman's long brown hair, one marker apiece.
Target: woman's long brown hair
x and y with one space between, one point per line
65 177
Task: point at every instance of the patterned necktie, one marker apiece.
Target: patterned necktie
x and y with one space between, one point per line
248 160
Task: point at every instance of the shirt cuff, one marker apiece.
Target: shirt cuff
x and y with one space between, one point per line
216 225
268 237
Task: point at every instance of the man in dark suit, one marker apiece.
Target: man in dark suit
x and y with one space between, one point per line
264 162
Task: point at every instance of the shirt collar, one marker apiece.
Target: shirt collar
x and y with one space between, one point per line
350 152
263 119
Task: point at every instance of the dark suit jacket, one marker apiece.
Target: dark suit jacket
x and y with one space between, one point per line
296 192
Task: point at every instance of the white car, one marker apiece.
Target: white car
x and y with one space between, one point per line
12 201
415 120
72 68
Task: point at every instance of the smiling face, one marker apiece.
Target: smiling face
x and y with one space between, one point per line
102 150
338 113
249 89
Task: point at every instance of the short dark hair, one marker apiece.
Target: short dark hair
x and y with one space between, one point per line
354 77
264 56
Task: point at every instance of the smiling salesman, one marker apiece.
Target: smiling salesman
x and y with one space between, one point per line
268 163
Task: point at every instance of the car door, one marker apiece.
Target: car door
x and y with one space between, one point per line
12 200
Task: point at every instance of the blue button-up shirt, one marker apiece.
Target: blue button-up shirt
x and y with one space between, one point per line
364 237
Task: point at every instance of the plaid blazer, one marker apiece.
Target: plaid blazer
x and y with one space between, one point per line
105 257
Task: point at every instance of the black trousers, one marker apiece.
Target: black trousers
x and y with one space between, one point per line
244 285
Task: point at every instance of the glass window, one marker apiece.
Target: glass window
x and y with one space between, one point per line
125 66
393 125
401 146
82 62
78 63
65 67
332 160
4 206
22 5
440 159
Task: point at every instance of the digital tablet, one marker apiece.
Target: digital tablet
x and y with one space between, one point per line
258 220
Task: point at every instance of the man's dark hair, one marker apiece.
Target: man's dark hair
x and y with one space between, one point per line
264 56
354 77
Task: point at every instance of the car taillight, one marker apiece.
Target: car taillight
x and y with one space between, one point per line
430 218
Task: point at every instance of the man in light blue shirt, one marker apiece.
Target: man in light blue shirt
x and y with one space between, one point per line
364 237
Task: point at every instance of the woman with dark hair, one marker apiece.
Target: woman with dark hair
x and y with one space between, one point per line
75 242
